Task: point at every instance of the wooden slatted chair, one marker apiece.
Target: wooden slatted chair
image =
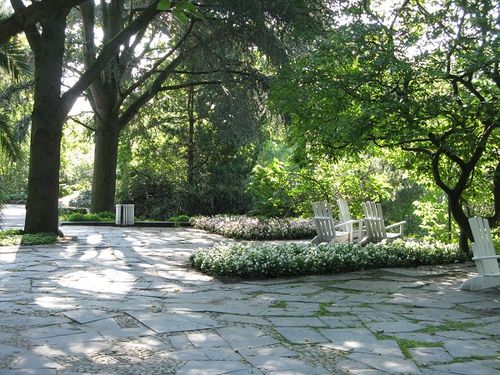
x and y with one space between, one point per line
485 257
375 227
354 227
326 229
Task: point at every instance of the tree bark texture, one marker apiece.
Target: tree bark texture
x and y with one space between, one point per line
46 130
105 159
191 144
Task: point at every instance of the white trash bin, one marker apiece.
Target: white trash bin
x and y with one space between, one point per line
124 214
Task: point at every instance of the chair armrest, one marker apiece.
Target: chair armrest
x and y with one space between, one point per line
349 222
399 224
486 257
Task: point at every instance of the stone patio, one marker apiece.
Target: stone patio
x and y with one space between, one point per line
124 301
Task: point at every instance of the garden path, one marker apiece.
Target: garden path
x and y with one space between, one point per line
123 301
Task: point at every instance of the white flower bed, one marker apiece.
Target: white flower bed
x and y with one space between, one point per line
268 260
253 228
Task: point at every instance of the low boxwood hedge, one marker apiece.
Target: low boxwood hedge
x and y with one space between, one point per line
255 228
279 260
78 216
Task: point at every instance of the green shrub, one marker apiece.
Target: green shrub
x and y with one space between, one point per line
78 216
17 237
255 228
179 218
66 211
271 260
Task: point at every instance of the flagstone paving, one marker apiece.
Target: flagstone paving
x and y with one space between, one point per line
124 301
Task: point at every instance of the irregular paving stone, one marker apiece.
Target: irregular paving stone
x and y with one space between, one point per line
380 347
222 354
305 321
394 365
461 335
489 329
267 351
211 367
430 355
419 336
355 367
342 335
300 335
470 348
161 322
83 316
465 368
243 319
31 371
206 339
283 365
371 285
332 321
246 337
390 327
420 300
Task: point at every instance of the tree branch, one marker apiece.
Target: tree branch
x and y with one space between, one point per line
148 74
189 84
25 18
107 53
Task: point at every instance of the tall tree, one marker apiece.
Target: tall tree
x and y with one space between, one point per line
127 85
423 78
46 36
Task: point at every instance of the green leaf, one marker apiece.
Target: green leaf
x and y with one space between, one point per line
180 15
164 5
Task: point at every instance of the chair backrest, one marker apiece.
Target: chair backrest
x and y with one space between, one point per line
483 245
322 209
374 221
324 229
344 215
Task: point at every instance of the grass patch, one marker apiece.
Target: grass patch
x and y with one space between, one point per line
323 309
279 305
14 237
448 325
405 345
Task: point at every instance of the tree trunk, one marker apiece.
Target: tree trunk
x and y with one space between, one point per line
46 130
190 145
105 159
462 221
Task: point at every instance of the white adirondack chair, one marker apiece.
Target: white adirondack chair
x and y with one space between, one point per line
326 229
485 257
354 227
375 228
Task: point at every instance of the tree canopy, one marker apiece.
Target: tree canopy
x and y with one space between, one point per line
423 79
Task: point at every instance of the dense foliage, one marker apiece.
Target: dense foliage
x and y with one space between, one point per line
428 70
268 260
99 216
255 228
394 104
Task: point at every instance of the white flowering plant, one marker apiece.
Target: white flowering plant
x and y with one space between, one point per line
247 260
255 228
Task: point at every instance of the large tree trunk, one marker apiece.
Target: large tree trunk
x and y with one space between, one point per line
461 219
105 158
190 144
46 130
